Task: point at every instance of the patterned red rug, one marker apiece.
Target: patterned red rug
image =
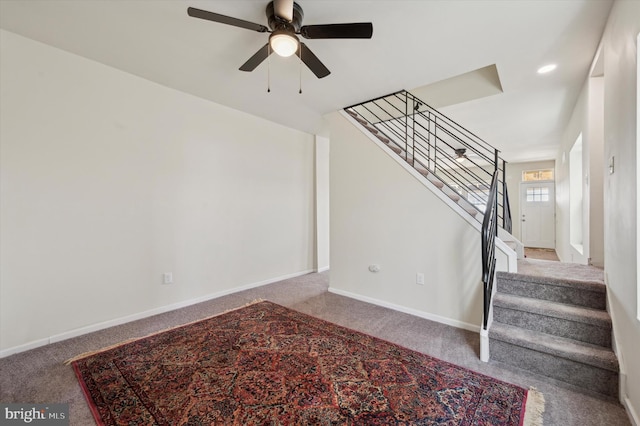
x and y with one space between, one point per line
265 364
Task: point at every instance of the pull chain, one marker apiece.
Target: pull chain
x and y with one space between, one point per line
300 62
269 68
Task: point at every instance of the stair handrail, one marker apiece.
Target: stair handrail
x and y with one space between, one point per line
489 232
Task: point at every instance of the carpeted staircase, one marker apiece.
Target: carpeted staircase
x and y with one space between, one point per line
551 319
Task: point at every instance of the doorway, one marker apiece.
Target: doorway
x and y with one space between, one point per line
537 207
576 196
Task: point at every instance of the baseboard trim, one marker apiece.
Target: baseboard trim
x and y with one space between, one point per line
622 383
633 414
141 315
25 347
617 349
323 269
404 309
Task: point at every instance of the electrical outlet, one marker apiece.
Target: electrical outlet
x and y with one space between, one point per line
420 278
167 278
612 165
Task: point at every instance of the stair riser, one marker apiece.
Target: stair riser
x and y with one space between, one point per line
582 375
575 330
544 291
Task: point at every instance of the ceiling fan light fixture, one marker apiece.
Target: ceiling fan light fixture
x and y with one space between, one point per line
284 43
460 155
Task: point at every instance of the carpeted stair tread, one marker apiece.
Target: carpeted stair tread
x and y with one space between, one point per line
371 129
434 180
451 194
573 322
383 138
561 270
561 282
422 170
585 353
359 119
362 121
395 148
375 132
468 208
581 314
590 294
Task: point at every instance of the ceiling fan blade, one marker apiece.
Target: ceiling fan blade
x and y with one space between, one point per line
257 58
283 9
216 17
310 60
355 30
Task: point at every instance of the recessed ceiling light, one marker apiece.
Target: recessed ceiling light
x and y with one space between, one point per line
547 68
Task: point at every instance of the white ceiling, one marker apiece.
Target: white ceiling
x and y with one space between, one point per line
414 43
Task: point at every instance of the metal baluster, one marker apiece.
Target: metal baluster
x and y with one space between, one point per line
428 140
406 126
435 144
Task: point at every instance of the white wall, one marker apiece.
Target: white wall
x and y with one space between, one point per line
381 214
578 125
587 120
322 203
620 121
109 180
577 206
594 195
620 215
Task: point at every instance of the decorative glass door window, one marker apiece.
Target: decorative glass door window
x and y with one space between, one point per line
534 175
537 195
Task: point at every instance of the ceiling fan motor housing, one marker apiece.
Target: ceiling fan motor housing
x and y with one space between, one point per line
278 23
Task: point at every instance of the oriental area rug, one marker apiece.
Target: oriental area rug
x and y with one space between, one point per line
264 364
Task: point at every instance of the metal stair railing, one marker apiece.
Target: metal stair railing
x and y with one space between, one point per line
431 141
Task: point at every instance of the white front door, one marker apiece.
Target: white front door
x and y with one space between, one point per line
537 214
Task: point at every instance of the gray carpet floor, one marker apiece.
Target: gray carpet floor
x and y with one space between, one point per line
560 270
39 375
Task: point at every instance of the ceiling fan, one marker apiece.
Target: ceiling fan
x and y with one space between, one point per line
462 154
285 24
